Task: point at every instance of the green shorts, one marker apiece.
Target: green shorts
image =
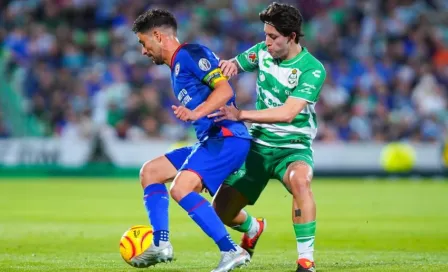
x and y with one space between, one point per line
262 164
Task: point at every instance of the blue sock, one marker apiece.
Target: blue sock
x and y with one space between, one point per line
156 202
200 210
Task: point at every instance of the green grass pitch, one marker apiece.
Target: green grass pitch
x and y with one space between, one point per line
74 224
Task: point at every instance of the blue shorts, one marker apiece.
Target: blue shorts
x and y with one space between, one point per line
213 160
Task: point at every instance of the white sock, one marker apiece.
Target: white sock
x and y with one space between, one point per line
254 227
305 248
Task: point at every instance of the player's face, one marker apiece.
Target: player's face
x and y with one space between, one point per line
150 47
278 45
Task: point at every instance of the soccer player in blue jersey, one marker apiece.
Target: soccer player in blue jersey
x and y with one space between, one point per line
201 89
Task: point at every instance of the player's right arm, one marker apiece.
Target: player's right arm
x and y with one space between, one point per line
244 62
307 91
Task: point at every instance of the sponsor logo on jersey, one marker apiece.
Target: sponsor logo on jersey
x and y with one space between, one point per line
307 88
184 97
204 64
317 73
252 57
262 77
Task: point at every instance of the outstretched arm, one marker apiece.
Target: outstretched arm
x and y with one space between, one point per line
283 114
307 91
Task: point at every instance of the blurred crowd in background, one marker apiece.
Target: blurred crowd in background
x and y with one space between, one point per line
78 65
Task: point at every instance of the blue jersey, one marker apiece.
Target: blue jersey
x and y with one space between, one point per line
194 73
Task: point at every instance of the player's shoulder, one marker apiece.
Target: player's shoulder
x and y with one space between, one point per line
196 51
261 46
309 61
309 64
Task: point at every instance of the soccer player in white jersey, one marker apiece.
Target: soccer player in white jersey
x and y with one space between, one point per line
284 125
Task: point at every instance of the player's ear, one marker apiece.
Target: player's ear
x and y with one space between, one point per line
157 35
292 37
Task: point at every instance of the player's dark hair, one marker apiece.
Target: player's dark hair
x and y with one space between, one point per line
154 18
285 18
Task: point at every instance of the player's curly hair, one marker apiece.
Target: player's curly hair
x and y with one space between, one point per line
154 18
285 18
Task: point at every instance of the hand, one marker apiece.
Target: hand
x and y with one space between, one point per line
228 68
226 113
184 114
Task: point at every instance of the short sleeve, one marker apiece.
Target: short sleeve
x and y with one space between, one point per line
309 85
248 60
204 64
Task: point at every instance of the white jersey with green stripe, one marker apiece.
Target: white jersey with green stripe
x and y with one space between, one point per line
301 77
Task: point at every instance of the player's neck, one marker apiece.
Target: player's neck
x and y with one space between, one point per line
169 50
293 52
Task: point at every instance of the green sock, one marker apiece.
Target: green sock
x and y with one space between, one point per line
245 227
305 234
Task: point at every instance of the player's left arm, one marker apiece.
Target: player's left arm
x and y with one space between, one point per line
307 91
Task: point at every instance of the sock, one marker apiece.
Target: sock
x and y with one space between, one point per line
200 210
250 226
156 203
226 244
160 236
305 239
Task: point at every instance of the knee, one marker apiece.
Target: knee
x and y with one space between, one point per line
149 174
300 176
177 193
181 189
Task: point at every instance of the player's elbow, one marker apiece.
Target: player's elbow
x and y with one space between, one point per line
289 116
288 119
228 93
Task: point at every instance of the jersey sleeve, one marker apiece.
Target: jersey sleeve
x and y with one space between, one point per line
204 64
248 60
309 85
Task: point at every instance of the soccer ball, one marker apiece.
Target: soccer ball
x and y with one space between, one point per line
134 241
398 158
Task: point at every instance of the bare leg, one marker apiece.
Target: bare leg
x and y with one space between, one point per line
298 179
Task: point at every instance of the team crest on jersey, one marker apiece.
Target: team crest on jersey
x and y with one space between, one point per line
204 64
177 69
252 57
292 79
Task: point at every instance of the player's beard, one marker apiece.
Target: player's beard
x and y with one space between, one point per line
158 61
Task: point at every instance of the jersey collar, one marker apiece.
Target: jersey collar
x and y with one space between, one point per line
297 57
175 54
